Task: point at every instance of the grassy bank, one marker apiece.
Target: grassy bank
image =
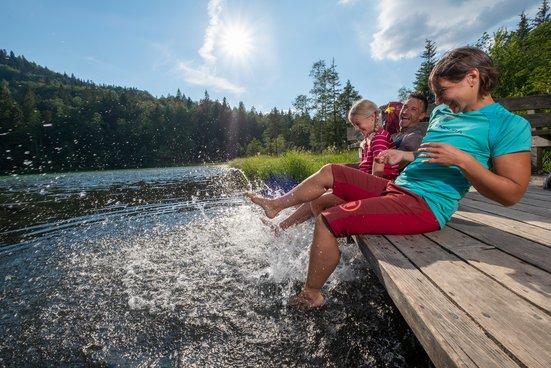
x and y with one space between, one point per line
298 165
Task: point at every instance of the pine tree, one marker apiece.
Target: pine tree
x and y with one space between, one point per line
523 27
335 131
403 93
348 96
542 15
320 93
422 75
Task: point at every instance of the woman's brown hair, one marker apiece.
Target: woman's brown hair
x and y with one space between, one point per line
455 65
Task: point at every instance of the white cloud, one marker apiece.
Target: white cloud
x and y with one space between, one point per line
206 51
204 74
403 27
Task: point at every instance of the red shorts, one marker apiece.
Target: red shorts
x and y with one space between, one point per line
375 206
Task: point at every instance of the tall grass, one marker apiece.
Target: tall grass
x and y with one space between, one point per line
298 165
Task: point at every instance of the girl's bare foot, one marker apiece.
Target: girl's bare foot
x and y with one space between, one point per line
275 228
307 299
265 203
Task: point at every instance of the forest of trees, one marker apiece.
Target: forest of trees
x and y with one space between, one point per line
55 122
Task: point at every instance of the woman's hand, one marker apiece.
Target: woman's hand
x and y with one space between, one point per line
505 184
443 154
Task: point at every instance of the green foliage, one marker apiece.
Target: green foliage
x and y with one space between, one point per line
329 105
298 165
546 160
421 83
522 58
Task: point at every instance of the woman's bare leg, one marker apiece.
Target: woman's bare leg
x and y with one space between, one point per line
324 258
310 189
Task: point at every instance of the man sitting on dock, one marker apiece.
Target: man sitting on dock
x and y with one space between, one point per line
411 131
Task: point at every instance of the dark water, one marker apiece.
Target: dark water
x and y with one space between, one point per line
173 268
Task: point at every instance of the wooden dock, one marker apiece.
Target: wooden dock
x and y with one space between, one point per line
478 292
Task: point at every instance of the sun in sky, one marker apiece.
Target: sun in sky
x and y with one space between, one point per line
237 42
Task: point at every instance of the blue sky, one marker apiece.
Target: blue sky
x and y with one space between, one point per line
259 52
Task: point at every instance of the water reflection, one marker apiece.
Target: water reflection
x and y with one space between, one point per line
174 268
36 204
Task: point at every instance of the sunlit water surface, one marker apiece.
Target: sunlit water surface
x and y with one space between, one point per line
173 267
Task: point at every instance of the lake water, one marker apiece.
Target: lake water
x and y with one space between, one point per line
173 268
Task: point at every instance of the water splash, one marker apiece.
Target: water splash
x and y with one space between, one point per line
196 281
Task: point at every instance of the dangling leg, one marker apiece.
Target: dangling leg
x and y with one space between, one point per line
298 216
324 258
310 189
312 208
396 212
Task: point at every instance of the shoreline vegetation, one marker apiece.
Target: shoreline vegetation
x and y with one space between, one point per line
298 165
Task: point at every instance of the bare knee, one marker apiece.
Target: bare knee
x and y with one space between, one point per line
324 202
323 227
316 208
327 173
327 169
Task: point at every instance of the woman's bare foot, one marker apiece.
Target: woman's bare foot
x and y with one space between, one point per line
307 299
265 203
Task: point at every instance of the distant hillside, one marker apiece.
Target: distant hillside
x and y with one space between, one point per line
51 121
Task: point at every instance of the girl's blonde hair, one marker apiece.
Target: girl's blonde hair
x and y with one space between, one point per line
365 108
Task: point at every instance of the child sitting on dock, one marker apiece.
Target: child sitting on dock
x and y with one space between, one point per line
365 116
471 140
408 138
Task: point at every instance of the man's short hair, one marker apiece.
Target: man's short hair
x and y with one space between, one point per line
420 96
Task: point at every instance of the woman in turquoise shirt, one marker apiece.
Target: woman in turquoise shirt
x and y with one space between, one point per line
471 140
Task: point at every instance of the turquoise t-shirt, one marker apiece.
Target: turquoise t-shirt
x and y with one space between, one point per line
489 132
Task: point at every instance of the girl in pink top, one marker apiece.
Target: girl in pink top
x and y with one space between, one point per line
365 116
371 147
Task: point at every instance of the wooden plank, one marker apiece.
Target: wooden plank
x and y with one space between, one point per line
540 141
538 120
527 231
542 196
490 267
526 102
542 133
519 326
527 250
509 212
450 337
529 282
536 206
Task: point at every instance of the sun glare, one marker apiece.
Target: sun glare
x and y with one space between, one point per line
237 41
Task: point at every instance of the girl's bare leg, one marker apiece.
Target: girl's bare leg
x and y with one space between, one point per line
313 208
310 189
301 214
327 200
324 258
